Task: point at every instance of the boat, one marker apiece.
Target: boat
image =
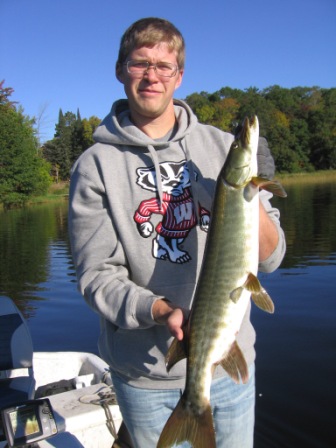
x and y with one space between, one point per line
52 399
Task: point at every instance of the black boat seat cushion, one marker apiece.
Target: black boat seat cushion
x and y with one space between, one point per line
16 355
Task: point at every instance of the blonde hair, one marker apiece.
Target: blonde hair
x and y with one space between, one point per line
149 32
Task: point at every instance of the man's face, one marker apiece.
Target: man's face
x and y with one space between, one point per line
150 96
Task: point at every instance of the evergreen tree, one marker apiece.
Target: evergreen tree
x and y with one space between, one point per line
59 150
5 93
72 136
77 138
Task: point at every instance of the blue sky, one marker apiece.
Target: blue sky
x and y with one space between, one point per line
61 54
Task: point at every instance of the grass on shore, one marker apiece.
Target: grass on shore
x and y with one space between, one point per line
57 192
60 191
301 178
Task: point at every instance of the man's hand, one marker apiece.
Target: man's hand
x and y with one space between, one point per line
268 234
166 313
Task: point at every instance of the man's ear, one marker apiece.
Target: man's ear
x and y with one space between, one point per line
179 79
119 72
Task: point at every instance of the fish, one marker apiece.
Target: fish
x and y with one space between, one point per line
227 281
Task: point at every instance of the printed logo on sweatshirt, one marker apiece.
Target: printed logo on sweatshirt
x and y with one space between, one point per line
177 209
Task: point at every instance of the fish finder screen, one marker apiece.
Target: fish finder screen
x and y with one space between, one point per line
24 422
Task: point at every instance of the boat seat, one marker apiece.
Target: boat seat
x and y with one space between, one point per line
17 381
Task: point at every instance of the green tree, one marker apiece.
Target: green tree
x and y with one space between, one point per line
23 172
197 100
5 93
51 153
226 114
77 138
322 123
72 136
300 143
299 123
205 113
58 151
89 126
64 142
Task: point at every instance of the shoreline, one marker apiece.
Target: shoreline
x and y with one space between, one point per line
60 191
301 178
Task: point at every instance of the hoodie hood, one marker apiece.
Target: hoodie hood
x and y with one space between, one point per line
118 129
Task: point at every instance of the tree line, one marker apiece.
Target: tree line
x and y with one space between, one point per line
299 124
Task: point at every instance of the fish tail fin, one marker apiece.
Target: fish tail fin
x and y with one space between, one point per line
184 425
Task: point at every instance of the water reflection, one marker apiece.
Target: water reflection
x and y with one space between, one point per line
296 365
25 238
308 216
296 346
37 272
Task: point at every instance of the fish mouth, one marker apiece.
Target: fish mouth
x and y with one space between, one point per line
245 132
239 166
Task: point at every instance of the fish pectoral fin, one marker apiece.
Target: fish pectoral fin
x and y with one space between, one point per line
263 301
259 295
235 365
236 293
273 186
184 425
176 352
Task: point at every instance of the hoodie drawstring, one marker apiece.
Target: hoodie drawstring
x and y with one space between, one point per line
155 159
192 175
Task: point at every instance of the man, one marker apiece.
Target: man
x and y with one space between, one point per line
140 205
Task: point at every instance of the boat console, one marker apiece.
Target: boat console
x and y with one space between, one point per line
28 422
52 399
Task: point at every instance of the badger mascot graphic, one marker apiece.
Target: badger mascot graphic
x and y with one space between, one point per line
176 208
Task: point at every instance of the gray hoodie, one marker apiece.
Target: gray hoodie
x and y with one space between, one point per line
138 216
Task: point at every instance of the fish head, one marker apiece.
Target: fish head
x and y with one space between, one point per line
241 163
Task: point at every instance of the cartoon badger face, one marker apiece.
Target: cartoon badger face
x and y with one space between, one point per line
177 209
175 177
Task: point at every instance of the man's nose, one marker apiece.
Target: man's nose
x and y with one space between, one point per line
151 72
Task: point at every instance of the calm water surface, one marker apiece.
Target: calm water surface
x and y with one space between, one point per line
296 347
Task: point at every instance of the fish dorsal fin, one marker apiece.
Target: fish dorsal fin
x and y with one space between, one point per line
259 295
273 186
235 365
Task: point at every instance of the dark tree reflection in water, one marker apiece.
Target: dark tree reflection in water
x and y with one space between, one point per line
296 347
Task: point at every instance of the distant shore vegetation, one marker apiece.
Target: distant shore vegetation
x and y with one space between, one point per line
299 124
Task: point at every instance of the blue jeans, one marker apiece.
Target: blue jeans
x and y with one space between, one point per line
145 411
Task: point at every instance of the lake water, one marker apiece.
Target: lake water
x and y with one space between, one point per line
296 347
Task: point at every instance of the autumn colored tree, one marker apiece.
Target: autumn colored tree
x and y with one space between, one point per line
299 123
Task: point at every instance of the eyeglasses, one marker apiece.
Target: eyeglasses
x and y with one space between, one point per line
139 68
